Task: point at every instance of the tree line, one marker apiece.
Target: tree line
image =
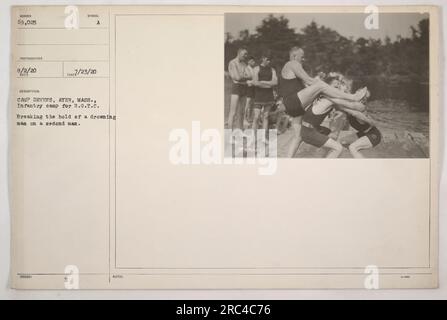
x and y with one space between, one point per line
392 69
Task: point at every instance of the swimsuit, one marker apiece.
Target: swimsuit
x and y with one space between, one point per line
312 132
288 89
366 130
264 96
250 91
238 88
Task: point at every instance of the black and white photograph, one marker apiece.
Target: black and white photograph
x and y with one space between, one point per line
328 85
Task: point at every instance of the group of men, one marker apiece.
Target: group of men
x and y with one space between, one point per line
298 91
256 83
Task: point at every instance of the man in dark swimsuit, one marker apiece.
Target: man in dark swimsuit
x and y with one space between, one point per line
248 113
368 136
264 79
299 90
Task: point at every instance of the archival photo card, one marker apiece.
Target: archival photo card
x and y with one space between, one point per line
182 147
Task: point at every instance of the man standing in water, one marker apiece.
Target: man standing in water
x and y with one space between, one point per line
299 90
237 70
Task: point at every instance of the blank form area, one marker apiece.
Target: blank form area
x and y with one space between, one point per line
60 97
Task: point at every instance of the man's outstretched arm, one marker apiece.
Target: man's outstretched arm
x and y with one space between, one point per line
300 73
360 115
348 104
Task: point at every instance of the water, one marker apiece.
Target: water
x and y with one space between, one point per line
415 93
398 115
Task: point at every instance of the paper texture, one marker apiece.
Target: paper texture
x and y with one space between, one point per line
97 94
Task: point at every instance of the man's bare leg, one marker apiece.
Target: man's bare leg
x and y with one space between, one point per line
336 148
337 124
310 93
256 116
265 118
296 140
234 101
240 114
332 92
257 113
359 144
248 110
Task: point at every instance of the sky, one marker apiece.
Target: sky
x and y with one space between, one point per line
346 24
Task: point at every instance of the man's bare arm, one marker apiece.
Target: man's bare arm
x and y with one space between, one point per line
360 115
300 73
234 74
348 104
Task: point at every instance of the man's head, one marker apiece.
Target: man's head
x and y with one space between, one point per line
296 54
242 54
334 82
266 59
339 81
251 61
345 86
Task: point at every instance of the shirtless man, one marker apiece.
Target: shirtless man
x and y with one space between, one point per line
237 70
299 90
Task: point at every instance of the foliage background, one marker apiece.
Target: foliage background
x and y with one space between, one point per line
391 69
